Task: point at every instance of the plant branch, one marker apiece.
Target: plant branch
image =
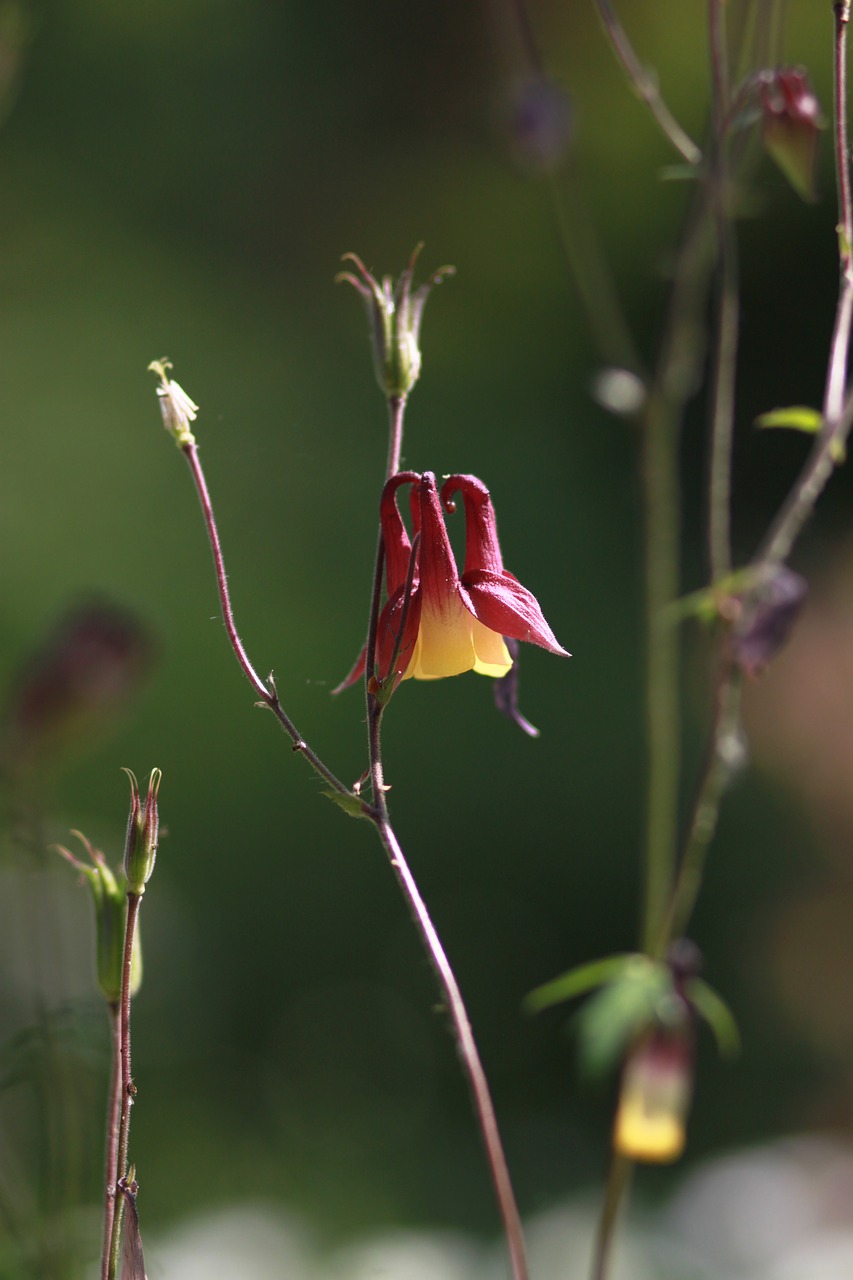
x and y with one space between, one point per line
396 410
838 405
618 1182
466 1044
266 691
127 1089
724 757
645 84
112 1143
726 318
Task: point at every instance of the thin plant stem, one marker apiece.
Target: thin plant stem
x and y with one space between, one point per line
676 375
592 278
837 374
724 752
266 691
837 406
466 1044
723 406
646 85
726 319
582 252
396 410
127 1089
113 1122
675 379
660 486
377 813
724 758
618 1183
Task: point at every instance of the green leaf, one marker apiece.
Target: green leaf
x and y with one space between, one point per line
612 1018
350 803
679 172
719 1017
705 603
799 417
796 417
578 981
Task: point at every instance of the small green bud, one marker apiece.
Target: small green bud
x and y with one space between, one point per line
143 824
394 314
110 899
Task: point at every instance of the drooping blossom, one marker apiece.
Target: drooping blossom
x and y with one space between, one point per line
790 125
437 622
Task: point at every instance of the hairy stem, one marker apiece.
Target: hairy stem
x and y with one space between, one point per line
265 691
396 410
113 1122
465 1042
127 1089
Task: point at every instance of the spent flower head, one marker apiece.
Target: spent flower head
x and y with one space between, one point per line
394 313
177 408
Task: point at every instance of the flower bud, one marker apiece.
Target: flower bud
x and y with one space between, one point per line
143 824
394 314
110 901
791 121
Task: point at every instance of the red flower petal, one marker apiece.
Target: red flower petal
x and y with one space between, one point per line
504 605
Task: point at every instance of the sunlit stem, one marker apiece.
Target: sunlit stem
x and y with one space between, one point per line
127 1089
113 1121
837 406
265 691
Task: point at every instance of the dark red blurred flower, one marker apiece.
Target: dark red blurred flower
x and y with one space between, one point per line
91 663
791 122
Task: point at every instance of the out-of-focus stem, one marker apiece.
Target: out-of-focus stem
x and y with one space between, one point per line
660 487
618 1182
645 85
724 757
726 318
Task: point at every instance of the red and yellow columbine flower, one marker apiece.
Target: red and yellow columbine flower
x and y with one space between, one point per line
437 622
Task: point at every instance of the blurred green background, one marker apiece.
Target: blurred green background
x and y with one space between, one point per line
181 179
